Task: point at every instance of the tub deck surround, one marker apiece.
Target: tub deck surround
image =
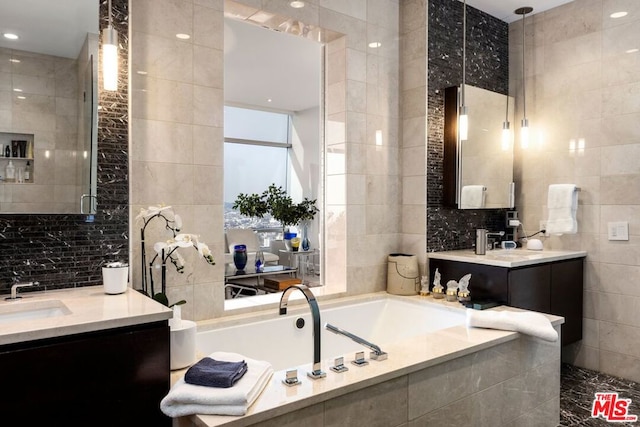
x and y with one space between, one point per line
408 358
90 310
507 258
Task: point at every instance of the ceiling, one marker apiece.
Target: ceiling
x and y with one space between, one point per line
262 65
52 27
503 9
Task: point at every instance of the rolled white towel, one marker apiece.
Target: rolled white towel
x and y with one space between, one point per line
526 322
188 399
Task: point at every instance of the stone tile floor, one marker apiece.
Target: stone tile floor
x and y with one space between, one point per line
577 391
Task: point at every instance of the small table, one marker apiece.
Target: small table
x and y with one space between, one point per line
306 257
250 279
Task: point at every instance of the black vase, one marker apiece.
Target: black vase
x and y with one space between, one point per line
240 256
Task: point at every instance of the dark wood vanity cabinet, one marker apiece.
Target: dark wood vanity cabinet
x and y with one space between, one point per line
114 377
552 287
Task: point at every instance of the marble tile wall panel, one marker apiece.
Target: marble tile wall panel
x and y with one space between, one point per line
584 78
488 68
514 383
62 251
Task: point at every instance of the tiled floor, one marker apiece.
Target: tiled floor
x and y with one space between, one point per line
577 389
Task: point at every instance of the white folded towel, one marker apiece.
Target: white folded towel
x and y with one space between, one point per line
526 322
188 399
562 204
472 197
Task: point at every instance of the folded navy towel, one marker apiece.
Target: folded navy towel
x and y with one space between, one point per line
215 373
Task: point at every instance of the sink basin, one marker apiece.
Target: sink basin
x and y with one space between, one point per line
24 311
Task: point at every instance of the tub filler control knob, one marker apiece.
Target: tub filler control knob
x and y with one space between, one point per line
359 360
338 365
291 378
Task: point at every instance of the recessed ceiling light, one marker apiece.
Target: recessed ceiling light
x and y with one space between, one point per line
296 4
10 36
631 51
375 45
269 100
183 36
21 97
618 15
142 73
14 60
17 89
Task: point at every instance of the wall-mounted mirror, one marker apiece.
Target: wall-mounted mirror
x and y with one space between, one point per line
479 170
48 106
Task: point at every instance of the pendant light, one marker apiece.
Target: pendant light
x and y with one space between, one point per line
463 118
110 55
524 130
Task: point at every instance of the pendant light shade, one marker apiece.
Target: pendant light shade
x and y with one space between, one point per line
506 135
463 117
524 130
110 56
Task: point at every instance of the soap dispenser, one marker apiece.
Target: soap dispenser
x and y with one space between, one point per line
10 172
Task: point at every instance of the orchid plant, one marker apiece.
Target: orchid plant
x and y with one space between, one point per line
167 251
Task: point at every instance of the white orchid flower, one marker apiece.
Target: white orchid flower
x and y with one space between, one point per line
203 249
179 260
159 246
151 211
177 222
183 240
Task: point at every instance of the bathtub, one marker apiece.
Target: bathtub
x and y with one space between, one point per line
379 321
436 366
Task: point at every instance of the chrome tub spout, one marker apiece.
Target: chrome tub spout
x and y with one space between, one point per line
376 352
315 314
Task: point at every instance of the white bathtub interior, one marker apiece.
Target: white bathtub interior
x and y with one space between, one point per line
281 343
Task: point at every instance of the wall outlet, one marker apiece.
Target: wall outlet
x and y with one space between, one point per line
543 226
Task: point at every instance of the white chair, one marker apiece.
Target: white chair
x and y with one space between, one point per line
249 238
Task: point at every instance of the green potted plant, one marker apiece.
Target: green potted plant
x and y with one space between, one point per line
275 201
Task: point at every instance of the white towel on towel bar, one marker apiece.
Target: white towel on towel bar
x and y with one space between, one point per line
562 204
472 197
526 322
188 399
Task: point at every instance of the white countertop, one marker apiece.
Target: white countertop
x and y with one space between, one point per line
507 258
88 309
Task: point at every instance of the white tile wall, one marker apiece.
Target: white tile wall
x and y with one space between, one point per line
176 140
582 85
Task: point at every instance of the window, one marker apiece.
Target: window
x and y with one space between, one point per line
256 154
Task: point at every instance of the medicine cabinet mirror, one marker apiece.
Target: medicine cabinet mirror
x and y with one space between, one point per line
48 98
484 161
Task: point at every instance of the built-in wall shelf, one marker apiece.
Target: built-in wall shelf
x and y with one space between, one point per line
17 148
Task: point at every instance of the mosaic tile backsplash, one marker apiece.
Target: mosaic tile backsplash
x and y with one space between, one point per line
488 68
63 251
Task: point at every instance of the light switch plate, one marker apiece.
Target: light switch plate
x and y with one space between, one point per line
618 230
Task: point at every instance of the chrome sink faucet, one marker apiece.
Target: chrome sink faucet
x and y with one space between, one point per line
14 290
494 239
315 314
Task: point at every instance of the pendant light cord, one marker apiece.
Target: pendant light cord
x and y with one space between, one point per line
464 48
524 81
109 12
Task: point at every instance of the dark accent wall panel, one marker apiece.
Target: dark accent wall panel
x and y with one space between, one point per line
63 251
487 68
